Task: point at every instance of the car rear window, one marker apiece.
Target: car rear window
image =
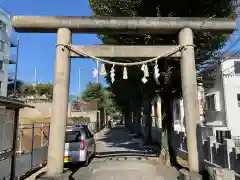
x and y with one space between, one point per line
73 136
87 133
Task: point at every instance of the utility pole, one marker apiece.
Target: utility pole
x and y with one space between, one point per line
79 81
97 78
16 70
35 76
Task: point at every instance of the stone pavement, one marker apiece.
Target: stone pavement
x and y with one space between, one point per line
120 156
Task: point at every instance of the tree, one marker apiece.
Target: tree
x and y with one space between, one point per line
44 90
27 90
38 90
97 92
10 88
129 91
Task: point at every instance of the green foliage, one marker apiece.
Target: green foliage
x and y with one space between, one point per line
37 90
129 93
44 89
27 90
79 119
163 8
93 91
97 92
170 72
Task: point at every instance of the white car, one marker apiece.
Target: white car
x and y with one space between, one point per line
80 145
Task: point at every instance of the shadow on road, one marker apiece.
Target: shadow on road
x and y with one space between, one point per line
73 168
118 149
119 143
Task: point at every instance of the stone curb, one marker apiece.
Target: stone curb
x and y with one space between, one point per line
34 175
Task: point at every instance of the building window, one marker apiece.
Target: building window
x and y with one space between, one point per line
237 67
2 26
210 102
1 45
238 99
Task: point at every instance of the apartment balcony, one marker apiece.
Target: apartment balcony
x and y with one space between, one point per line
12 43
11 76
13 40
5 13
13 58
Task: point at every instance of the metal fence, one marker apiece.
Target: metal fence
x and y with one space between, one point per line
6 142
32 146
31 136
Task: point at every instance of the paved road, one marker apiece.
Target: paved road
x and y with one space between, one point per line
120 156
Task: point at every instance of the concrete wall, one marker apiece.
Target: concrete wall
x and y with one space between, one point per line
43 110
92 115
40 110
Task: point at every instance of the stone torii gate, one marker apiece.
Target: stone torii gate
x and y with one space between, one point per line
65 26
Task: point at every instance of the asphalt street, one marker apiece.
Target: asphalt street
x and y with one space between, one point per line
121 156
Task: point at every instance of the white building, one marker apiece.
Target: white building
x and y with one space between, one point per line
5 46
222 98
178 110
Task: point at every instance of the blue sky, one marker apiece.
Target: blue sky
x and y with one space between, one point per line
38 50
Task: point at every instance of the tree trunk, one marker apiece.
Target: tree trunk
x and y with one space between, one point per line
121 120
167 150
131 122
134 122
147 111
137 108
128 120
138 121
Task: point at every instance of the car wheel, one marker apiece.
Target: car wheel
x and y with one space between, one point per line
94 152
85 163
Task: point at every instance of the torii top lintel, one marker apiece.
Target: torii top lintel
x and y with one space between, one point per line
122 25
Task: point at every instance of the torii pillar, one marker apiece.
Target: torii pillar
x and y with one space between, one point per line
189 90
58 122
